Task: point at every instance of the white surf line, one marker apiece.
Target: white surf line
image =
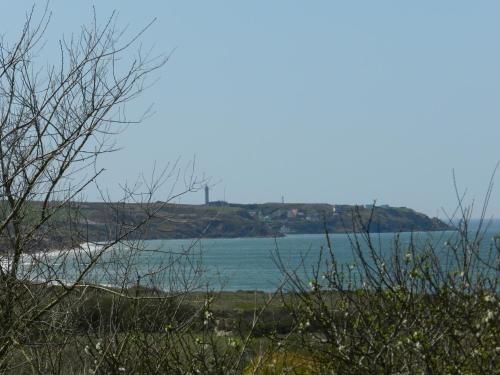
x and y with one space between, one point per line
86 248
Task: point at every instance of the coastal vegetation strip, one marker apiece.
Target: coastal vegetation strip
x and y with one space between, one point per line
97 221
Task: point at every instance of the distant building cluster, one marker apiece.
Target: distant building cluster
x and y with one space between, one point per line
294 213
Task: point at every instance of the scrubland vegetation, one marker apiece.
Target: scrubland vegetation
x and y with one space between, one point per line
411 309
403 311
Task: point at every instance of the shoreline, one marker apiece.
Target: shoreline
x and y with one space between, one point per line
26 260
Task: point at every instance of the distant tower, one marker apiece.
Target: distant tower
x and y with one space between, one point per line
283 199
206 195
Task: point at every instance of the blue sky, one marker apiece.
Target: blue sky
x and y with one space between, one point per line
324 101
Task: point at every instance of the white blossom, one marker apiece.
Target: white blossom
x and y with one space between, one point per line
489 298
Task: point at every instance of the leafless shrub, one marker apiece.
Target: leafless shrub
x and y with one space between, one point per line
412 307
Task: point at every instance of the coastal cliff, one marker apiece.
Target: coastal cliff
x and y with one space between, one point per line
222 219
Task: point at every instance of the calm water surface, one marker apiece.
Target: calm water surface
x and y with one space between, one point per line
251 263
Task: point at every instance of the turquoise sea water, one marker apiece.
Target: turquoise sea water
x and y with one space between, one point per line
249 263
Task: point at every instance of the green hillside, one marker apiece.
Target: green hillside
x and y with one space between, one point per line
221 219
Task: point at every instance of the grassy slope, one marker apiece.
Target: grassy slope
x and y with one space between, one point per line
100 221
237 220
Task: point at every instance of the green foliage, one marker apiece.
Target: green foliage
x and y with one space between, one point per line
286 363
405 312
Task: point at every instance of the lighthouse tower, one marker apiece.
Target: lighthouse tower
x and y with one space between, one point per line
206 195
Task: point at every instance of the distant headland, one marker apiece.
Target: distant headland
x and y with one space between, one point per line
223 219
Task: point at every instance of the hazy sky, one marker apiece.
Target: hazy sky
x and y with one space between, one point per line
319 101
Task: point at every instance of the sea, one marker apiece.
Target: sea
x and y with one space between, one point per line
247 264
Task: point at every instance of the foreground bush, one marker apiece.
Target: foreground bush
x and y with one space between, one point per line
419 308
290 363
